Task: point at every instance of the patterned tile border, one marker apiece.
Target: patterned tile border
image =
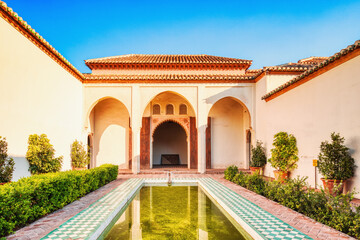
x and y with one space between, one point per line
92 221
256 221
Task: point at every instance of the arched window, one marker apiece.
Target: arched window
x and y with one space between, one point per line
156 109
169 109
183 109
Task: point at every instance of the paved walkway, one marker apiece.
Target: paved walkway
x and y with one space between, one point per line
45 225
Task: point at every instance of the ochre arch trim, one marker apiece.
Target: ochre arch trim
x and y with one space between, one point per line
183 122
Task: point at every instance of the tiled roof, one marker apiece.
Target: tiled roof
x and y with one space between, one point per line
24 28
315 68
90 78
312 60
164 59
291 68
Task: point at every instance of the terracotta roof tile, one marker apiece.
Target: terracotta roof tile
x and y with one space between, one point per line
312 60
159 58
89 78
315 68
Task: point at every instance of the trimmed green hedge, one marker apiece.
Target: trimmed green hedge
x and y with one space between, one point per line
30 198
334 211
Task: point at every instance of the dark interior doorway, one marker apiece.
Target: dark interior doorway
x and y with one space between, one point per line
170 146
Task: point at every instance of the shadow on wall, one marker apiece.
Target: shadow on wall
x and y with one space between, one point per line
232 92
111 133
353 144
21 168
230 120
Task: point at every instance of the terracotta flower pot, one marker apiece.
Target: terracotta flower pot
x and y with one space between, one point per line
75 168
3 183
259 170
330 184
281 176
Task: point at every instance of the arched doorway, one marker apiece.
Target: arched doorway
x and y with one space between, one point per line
228 123
167 107
170 146
109 127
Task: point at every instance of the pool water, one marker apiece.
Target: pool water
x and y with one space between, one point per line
175 212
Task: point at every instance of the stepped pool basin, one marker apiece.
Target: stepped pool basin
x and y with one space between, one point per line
174 212
192 208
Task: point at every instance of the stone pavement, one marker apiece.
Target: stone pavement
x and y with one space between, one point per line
45 225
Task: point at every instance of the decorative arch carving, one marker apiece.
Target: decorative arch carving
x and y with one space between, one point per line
183 122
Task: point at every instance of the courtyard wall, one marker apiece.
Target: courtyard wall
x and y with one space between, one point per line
328 103
37 95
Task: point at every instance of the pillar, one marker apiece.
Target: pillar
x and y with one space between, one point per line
136 128
202 125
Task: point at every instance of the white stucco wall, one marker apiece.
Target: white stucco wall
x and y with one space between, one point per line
110 126
36 96
274 81
311 111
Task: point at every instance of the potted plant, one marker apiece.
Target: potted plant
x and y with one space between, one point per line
258 158
335 164
6 163
283 155
80 158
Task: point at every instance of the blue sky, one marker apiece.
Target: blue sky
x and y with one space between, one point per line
267 32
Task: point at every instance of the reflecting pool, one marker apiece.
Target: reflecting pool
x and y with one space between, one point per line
175 212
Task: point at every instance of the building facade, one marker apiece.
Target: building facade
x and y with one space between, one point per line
195 111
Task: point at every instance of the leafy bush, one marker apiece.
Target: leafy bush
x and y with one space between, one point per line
258 155
284 154
334 211
6 163
335 161
30 198
41 154
79 156
230 172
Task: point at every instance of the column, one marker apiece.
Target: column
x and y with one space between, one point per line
136 127
202 125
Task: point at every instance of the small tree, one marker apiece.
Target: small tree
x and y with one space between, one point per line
79 156
258 155
6 163
335 161
41 155
284 154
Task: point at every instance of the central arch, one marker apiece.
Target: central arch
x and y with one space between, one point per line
170 145
168 108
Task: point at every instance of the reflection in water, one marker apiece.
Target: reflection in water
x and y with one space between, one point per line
173 213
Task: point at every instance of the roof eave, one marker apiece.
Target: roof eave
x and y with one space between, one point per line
337 59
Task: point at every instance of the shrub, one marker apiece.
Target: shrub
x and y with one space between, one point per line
6 163
41 154
258 155
284 154
79 156
230 172
335 161
334 211
30 198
